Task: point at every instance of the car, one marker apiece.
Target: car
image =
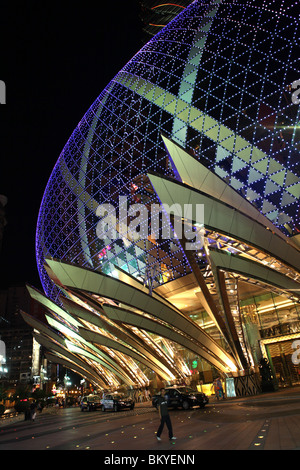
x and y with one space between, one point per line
117 402
183 397
90 403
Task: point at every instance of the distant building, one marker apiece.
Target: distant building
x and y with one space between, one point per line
3 368
16 337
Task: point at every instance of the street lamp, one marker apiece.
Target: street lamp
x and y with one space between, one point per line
67 383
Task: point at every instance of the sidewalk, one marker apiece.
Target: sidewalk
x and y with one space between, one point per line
21 416
52 409
291 394
269 421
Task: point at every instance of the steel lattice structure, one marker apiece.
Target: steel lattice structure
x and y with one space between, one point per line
216 80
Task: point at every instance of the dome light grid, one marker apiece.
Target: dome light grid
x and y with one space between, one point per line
217 80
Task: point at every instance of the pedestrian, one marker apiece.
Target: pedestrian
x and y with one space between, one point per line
162 405
33 411
216 389
220 388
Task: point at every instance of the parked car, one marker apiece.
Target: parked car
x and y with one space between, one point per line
184 397
117 402
90 403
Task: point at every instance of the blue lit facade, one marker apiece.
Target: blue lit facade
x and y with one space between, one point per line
217 81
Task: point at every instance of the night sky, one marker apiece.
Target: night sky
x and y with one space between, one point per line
56 58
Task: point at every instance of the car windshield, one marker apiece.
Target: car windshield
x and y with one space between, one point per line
185 390
94 398
120 397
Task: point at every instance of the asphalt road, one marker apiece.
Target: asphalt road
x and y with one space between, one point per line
265 422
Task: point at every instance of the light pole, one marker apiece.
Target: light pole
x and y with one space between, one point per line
67 384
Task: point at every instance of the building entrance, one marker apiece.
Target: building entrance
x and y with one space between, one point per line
284 360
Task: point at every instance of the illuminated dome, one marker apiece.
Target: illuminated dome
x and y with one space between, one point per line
218 82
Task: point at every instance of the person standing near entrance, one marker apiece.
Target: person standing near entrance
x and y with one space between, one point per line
162 405
220 388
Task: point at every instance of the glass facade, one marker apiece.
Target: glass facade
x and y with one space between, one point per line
273 314
218 80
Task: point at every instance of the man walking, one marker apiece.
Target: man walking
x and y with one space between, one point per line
162 405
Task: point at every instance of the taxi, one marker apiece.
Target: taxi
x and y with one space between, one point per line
116 402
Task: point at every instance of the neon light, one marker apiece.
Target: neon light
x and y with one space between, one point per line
167 4
160 25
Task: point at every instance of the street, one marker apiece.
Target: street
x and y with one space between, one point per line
264 422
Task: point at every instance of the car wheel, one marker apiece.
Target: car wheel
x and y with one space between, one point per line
185 405
202 406
103 408
115 407
132 406
81 408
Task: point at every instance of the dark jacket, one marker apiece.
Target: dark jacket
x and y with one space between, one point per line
162 404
